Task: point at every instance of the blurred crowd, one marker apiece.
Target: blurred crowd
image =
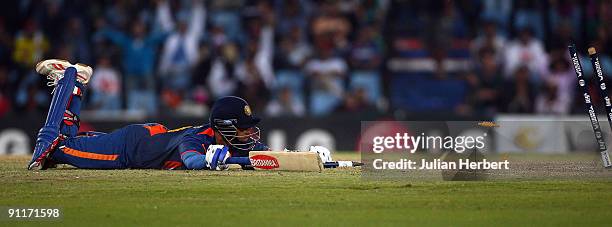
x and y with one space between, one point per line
302 57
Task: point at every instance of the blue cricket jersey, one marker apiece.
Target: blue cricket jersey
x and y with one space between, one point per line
182 148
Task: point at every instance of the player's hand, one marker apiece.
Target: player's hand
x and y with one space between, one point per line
216 155
323 152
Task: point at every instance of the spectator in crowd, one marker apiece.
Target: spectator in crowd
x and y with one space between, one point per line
528 13
49 16
221 70
331 23
226 16
603 40
139 51
366 57
118 13
603 45
549 101
294 15
489 38
30 98
294 50
562 79
497 11
355 101
30 45
525 51
218 37
367 50
181 49
486 83
285 105
566 14
452 22
63 51
443 28
326 73
519 92
563 36
199 90
369 12
76 40
252 80
105 86
255 73
323 48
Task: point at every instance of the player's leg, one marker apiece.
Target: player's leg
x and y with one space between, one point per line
71 121
70 124
115 150
49 135
64 77
100 151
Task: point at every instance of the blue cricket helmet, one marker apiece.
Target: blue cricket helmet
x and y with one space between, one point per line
234 110
230 114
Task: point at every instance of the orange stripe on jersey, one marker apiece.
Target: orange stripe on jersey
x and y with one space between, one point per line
208 132
89 155
172 165
156 129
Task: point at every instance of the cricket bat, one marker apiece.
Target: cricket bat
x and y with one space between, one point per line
288 161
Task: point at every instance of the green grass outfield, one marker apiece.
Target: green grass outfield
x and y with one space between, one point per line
334 197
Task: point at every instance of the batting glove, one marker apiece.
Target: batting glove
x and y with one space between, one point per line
216 155
323 152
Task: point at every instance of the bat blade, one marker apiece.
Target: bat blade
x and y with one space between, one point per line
280 160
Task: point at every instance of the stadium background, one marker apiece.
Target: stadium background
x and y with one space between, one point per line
316 67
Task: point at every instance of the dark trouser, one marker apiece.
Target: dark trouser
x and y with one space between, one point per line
104 151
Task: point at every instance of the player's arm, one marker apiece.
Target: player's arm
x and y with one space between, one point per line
163 16
117 37
198 19
192 152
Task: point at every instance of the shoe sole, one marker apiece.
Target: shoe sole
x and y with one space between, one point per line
40 66
42 69
87 69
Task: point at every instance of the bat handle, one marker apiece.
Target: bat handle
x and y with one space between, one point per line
337 164
238 160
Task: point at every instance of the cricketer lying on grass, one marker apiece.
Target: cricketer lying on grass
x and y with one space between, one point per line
231 132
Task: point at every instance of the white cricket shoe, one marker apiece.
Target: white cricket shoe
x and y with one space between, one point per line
54 70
